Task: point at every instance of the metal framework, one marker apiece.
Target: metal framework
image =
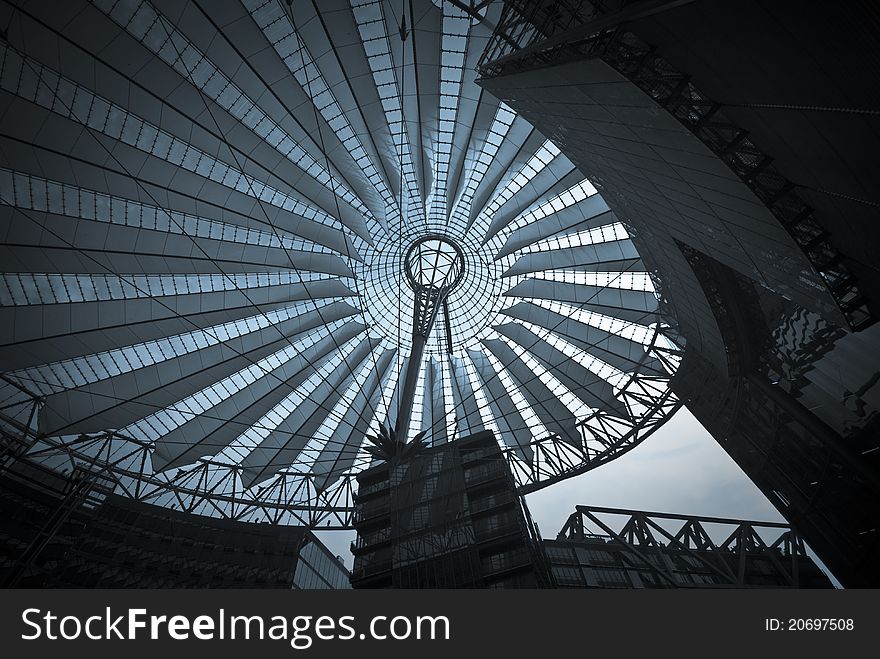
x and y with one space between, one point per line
605 436
211 307
718 545
535 34
213 488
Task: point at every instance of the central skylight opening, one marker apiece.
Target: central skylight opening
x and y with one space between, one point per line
434 262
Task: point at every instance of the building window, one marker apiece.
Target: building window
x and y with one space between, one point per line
567 576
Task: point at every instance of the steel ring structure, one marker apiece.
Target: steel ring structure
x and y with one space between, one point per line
207 209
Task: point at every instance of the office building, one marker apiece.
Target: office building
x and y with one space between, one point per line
445 517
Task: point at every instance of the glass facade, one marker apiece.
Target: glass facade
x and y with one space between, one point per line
794 407
446 518
318 569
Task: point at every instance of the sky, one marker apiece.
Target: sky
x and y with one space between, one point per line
678 469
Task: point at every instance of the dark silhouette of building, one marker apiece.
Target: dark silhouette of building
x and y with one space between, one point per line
737 143
617 548
70 531
445 517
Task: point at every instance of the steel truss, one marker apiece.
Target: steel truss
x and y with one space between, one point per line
213 488
636 531
209 486
604 437
533 34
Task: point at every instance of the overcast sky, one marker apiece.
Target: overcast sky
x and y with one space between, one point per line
678 469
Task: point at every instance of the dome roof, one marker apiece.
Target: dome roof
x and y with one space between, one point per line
207 213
